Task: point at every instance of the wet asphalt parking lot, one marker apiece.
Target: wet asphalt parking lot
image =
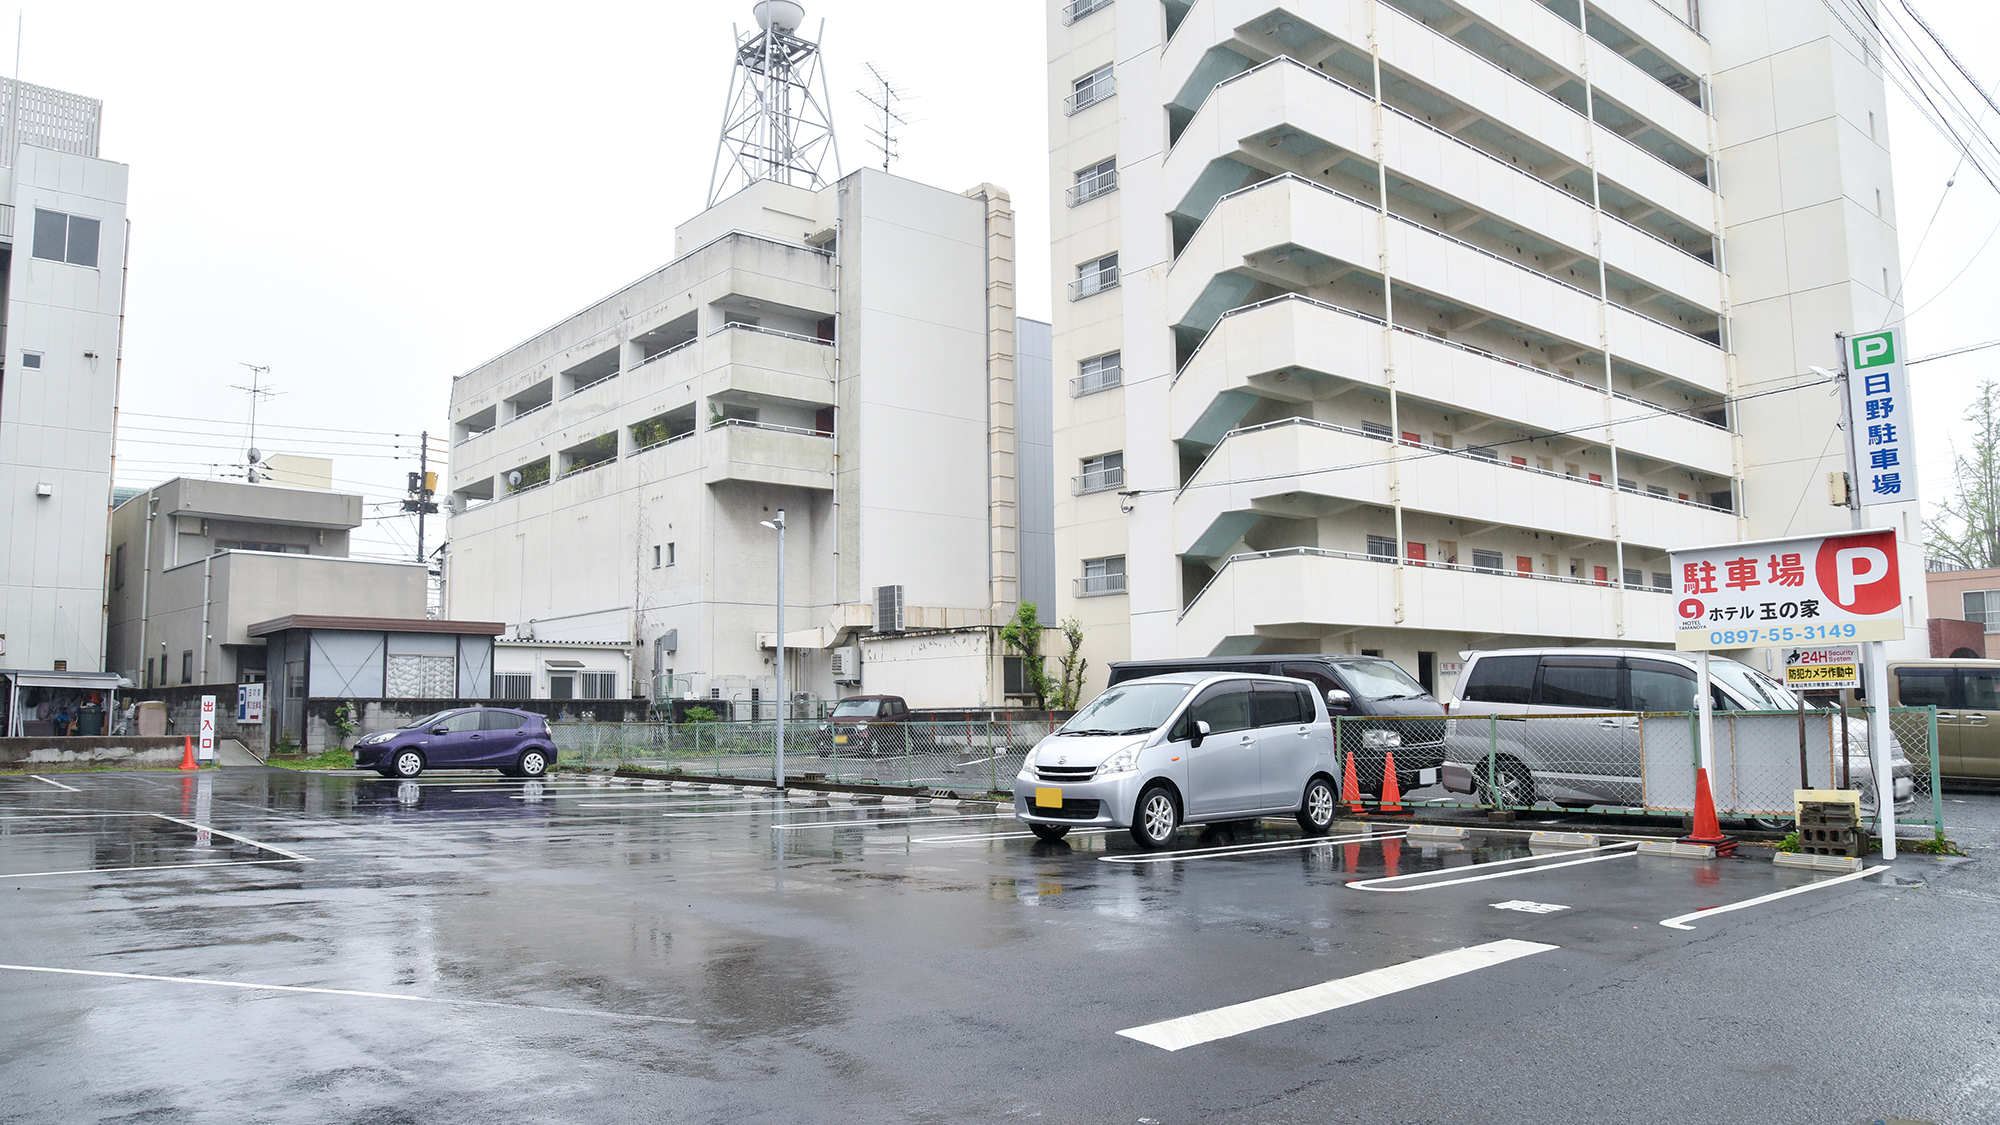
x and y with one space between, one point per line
259 945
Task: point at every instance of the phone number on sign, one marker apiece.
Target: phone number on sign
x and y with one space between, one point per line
1785 635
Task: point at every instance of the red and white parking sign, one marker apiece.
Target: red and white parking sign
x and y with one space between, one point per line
1843 587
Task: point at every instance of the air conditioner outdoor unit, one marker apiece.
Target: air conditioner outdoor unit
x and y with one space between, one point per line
888 609
847 664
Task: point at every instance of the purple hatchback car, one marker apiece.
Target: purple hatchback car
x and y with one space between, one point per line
516 743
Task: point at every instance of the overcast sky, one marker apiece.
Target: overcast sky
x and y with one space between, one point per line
371 198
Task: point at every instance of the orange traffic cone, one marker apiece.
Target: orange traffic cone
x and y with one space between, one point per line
1350 787
1392 794
187 755
1707 830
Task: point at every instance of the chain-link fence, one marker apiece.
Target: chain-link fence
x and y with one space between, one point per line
969 754
1619 762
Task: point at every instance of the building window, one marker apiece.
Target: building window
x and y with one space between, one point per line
562 687
1382 547
1634 579
1663 581
1100 473
65 238
1378 431
1077 9
1098 179
512 685
599 685
251 545
1102 576
1094 277
1486 560
670 554
1014 676
1089 90
656 556
1099 373
187 665
1983 606
118 567
31 360
149 671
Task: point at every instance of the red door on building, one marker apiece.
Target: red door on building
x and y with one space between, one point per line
1416 554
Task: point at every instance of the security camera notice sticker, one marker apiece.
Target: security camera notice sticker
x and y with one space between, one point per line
1826 668
1786 592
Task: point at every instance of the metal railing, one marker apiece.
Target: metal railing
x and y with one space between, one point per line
1100 481
669 440
658 356
1094 585
1091 284
1102 379
724 423
1099 87
520 414
1077 9
1092 186
739 326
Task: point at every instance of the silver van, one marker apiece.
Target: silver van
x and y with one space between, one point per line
1154 753
1583 748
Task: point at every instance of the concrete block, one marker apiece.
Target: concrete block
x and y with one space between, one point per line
1346 826
1817 862
1561 840
652 785
1677 850
862 798
1437 832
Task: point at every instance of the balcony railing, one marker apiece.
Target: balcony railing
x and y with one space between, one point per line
1097 585
1102 480
1101 380
519 413
1100 87
724 423
1092 186
658 356
1077 9
1091 284
739 326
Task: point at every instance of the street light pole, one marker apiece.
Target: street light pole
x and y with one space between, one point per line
778 768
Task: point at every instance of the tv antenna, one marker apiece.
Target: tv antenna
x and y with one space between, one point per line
883 96
777 124
257 391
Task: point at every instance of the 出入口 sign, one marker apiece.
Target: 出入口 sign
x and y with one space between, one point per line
1844 587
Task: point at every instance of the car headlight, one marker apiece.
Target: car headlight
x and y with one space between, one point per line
1381 739
1124 761
860 728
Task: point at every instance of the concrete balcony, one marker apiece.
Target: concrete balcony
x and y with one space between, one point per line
1301 468
1652 22
1305 592
758 454
771 364
1315 347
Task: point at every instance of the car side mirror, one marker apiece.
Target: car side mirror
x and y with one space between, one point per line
1338 700
440 730
1200 731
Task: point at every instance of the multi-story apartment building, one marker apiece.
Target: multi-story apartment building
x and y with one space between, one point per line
62 270
1417 325
843 355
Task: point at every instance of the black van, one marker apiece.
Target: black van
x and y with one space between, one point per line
1373 686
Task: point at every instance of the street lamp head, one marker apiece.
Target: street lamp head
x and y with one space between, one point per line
775 523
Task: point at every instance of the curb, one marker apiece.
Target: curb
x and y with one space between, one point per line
1816 862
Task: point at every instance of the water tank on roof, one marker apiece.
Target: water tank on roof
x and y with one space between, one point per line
782 16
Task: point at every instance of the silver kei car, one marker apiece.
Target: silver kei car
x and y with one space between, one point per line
1191 747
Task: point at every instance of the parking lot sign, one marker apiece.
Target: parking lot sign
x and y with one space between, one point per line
1879 424
1831 588
1825 668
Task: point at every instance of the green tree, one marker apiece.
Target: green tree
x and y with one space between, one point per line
1069 691
1966 533
1024 635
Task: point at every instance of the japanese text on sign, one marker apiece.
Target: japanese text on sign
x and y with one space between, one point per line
1879 420
1789 591
1823 669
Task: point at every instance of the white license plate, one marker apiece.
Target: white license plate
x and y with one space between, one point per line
1427 777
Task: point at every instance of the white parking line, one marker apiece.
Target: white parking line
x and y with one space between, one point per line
57 784
884 820
1619 851
1675 922
1003 836
1221 1023
343 992
157 867
1238 850
240 839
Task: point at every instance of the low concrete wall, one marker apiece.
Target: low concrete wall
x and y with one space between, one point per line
114 750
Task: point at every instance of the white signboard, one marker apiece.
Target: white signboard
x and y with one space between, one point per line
1879 422
249 703
1843 587
207 741
1825 668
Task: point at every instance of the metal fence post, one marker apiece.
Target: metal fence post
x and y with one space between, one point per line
1492 761
1937 791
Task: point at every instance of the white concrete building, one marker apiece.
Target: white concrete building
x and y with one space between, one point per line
62 269
1416 325
845 355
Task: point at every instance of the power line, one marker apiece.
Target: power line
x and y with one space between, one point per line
1952 352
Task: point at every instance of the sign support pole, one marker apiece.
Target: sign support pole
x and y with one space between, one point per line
1705 709
1878 747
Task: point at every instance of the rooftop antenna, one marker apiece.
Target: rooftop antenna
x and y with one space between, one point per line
776 124
253 460
883 96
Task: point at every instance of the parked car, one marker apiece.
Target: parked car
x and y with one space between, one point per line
1581 745
1149 754
1362 688
865 726
1967 696
516 743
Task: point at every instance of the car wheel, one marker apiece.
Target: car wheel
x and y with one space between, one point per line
1156 818
1049 832
1316 807
533 763
1768 823
1514 786
406 763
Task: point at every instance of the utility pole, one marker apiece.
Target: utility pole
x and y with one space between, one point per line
423 486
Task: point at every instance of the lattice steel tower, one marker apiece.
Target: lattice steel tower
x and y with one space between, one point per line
776 125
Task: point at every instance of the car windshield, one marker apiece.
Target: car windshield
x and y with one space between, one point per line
430 720
1128 709
857 708
1380 679
1762 692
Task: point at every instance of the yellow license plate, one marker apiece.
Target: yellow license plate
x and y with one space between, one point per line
1048 798
840 740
